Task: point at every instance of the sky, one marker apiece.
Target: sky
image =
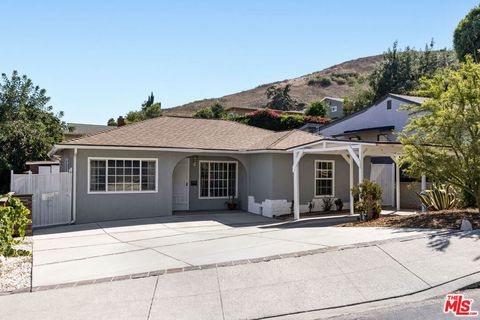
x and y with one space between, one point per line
101 59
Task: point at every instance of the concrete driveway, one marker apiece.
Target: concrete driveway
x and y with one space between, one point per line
116 248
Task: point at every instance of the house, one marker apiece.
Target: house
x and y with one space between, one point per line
334 107
77 130
170 164
379 122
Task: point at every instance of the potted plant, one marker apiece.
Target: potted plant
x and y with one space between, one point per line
231 203
339 204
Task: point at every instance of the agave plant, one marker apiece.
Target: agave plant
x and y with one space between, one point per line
439 197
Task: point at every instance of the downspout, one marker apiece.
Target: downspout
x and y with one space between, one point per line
74 188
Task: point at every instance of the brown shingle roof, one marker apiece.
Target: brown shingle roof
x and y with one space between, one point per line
191 133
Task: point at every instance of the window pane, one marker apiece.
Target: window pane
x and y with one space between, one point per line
97 175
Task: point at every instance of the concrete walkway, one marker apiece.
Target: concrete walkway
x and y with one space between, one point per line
92 251
307 287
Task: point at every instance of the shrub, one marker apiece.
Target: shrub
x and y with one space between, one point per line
370 194
13 217
339 204
327 204
440 197
319 81
215 111
316 109
339 81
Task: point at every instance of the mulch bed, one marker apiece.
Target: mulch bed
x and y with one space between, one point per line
446 219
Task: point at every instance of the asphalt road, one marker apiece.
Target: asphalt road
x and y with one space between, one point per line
431 309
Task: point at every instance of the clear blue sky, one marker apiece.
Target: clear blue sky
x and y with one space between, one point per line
100 59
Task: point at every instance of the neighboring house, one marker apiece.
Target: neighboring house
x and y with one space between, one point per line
334 107
77 130
378 122
167 164
241 111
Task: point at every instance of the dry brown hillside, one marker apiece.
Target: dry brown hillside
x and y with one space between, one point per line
300 89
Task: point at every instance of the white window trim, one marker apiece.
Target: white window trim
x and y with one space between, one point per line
200 177
315 179
333 108
89 159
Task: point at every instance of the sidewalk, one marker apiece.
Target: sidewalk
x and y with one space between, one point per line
285 287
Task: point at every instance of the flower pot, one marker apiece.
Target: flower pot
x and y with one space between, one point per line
232 206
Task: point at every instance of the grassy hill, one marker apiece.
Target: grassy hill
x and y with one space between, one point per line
344 78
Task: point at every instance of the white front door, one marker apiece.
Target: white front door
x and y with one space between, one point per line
180 185
384 175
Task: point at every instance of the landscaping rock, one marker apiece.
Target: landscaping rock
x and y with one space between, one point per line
466 225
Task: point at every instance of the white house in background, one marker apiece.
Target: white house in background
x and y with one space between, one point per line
378 122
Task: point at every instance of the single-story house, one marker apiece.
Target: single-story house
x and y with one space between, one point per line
335 107
168 164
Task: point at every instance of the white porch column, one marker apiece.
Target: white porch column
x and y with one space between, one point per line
360 166
352 208
297 155
397 182
424 187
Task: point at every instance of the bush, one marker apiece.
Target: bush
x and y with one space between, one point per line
370 194
13 218
440 197
319 81
327 204
339 81
215 111
316 109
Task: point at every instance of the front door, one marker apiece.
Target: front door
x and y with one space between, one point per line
384 175
180 185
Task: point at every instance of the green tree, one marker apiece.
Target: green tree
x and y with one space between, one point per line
149 109
280 98
149 102
215 111
28 127
361 99
112 122
466 38
401 70
442 138
316 109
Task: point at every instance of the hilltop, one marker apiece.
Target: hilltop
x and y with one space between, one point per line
345 78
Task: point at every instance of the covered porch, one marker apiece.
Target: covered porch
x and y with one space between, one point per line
354 153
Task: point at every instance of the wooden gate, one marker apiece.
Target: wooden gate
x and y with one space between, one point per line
51 196
384 175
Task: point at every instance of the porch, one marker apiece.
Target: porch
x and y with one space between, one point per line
354 153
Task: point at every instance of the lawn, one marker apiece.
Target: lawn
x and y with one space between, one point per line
446 219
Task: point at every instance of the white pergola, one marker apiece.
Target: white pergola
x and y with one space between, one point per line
354 153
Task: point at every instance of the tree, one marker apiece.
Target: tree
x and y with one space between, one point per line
401 70
360 100
466 38
149 109
442 138
112 122
316 109
28 127
280 98
215 111
149 102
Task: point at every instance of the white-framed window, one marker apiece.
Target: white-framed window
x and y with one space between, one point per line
324 178
218 179
333 108
122 175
